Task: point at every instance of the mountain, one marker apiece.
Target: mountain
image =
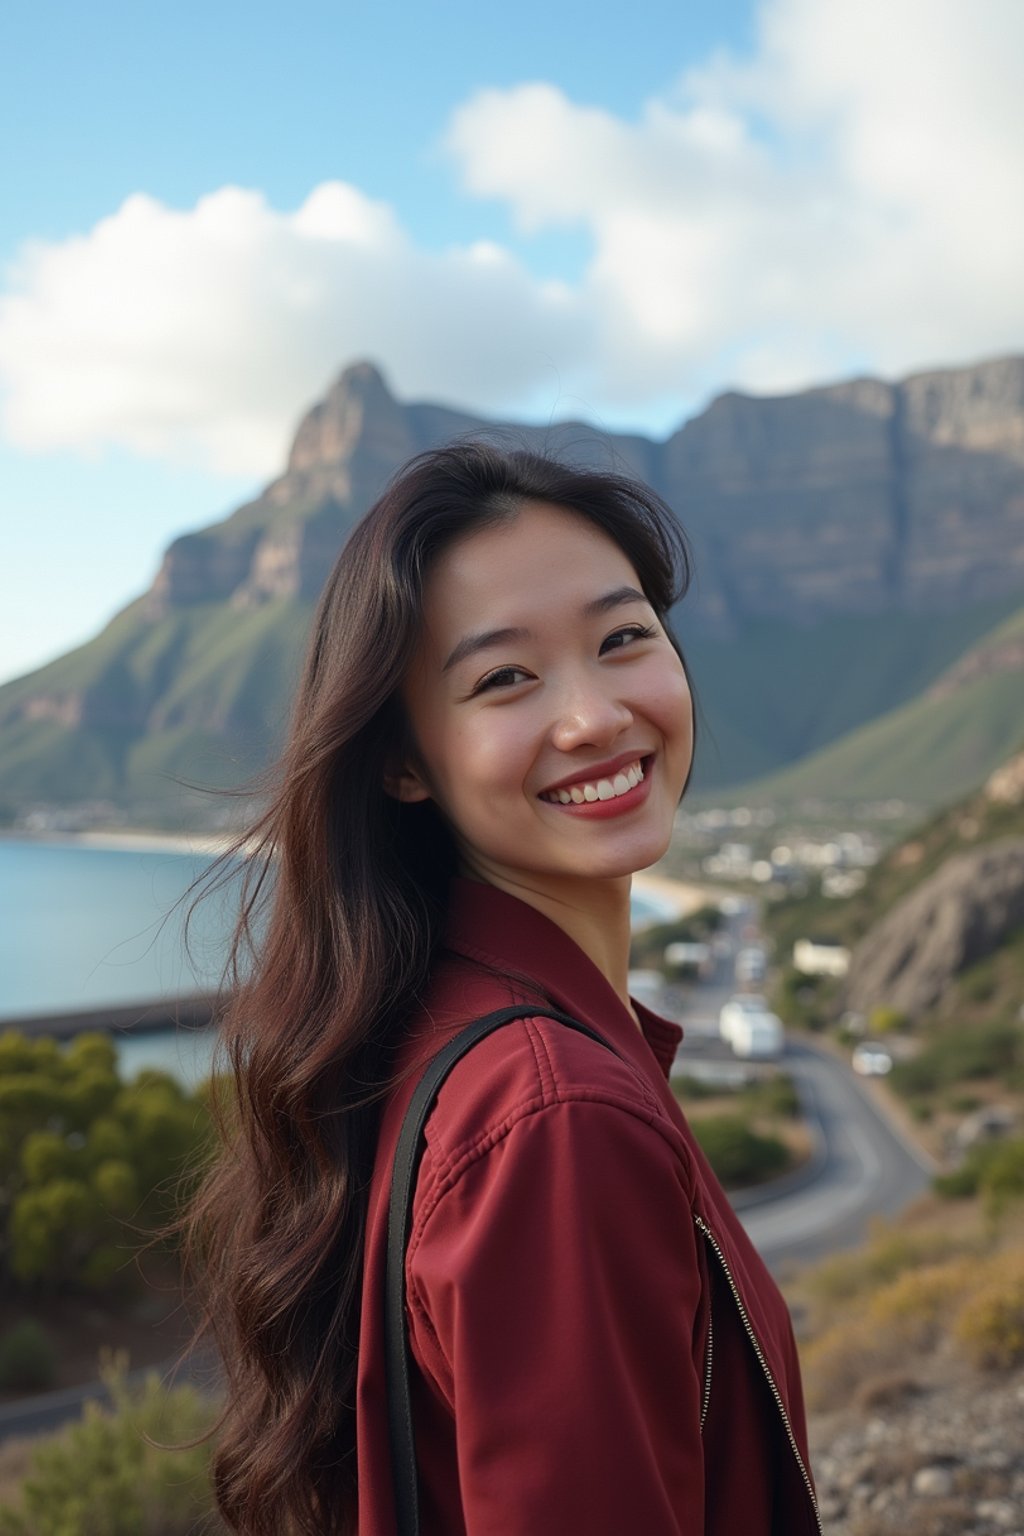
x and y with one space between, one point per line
934 749
852 544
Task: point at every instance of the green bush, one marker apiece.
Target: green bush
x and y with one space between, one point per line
886 1021
52 1228
737 1154
993 1169
1002 1179
28 1360
102 1477
775 1096
88 1164
954 1056
46 1156
808 1001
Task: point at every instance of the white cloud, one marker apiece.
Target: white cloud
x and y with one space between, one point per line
198 335
852 191
849 195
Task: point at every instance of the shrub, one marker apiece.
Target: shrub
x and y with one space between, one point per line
888 1253
886 1021
46 1156
775 1096
838 1360
1002 1177
103 1476
51 1228
990 1324
28 1360
913 1306
737 1154
994 1169
959 1054
88 1164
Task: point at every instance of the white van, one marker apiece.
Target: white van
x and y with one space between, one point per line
750 1027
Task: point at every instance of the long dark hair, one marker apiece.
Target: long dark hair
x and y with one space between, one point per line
341 912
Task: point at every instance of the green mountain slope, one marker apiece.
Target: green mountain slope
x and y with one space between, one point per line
931 750
200 694
784 694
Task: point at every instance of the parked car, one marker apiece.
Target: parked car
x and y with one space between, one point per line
750 1027
871 1060
690 959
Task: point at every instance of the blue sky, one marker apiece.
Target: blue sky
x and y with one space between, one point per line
568 209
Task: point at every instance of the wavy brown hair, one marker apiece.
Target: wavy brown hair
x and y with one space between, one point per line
341 911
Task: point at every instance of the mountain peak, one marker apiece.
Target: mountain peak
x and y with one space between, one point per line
361 380
358 410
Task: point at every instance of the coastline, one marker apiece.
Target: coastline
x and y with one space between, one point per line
683 897
200 844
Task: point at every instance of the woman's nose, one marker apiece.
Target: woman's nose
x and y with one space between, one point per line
590 717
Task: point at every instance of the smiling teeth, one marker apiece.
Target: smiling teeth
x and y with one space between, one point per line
601 789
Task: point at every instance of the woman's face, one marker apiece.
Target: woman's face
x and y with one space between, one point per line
550 711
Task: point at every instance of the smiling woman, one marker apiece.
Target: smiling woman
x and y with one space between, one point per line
493 732
557 744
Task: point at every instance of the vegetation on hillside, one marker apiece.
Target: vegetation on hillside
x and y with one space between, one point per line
965 1053
920 1294
926 744
111 1472
749 1133
647 949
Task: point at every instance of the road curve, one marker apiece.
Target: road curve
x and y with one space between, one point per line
864 1168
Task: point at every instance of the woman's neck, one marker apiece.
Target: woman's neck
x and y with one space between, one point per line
594 913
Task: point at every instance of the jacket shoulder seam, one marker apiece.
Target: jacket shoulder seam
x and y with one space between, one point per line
441 1160
489 1138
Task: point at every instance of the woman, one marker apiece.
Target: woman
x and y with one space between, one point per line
493 732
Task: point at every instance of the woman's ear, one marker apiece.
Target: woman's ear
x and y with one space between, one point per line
405 783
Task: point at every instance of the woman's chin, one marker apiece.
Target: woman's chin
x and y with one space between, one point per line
618 863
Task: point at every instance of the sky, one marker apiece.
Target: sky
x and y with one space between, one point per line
551 210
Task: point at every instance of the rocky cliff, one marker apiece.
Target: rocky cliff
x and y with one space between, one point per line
856 496
895 510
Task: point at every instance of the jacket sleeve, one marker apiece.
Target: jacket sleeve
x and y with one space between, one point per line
557 1287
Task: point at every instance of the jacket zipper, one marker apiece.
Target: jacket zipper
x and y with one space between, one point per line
707 1372
702 1224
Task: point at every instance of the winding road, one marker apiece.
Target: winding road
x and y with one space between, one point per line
863 1166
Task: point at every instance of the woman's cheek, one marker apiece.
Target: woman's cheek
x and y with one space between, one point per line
492 755
664 697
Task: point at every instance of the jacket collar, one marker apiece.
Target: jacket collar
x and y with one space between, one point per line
490 925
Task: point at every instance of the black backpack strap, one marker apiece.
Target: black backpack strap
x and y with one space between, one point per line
408 1154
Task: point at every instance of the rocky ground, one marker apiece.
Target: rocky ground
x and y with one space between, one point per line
942 1456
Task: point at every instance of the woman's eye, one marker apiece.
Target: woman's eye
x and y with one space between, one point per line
502 677
629 633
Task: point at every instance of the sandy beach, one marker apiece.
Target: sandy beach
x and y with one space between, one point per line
201 844
683 898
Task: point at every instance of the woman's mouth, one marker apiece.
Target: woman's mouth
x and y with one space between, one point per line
609 795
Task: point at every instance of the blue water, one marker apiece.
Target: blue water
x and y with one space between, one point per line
84 927
87 927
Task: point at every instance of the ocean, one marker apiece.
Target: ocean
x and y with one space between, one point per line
89 926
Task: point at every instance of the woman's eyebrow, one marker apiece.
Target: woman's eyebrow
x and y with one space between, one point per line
486 639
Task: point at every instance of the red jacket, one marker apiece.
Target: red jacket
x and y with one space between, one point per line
597 1348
